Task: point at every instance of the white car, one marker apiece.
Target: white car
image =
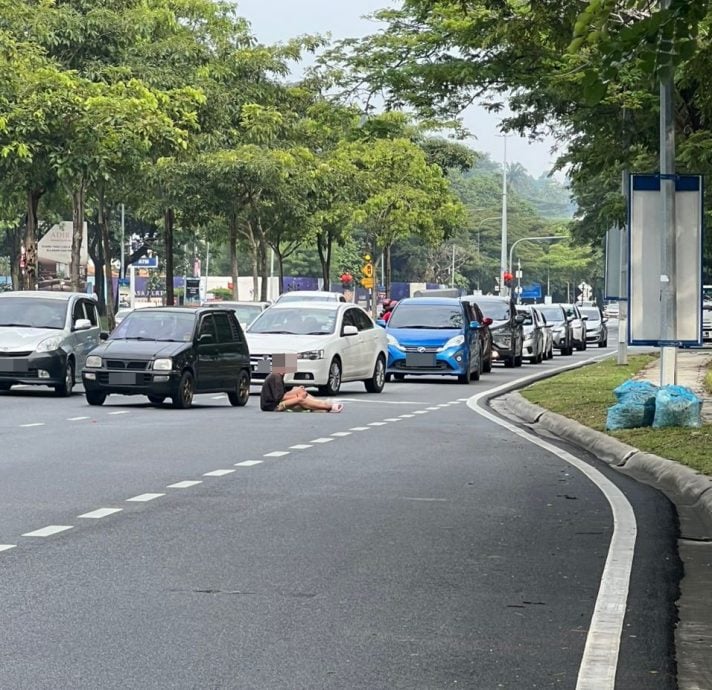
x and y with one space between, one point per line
309 296
334 342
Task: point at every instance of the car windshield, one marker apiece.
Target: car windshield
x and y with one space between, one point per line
295 321
144 324
426 316
593 314
497 311
552 313
31 312
247 313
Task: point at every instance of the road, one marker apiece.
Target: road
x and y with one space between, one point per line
406 543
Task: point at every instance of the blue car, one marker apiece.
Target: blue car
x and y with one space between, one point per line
433 336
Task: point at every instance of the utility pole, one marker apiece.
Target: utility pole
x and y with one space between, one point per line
504 291
452 271
668 296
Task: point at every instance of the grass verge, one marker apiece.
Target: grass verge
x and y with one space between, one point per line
585 395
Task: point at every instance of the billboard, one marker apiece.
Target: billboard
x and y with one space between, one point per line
645 274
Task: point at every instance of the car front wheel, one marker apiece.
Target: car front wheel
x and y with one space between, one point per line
184 398
241 394
156 399
333 385
95 397
376 382
65 389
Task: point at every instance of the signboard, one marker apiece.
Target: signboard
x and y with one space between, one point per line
146 262
616 279
55 246
368 283
124 292
644 260
192 289
532 291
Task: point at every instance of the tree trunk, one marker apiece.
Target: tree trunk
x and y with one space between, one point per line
106 242
168 220
96 254
14 237
280 261
386 270
78 196
264 270
30 242
232 242
325 244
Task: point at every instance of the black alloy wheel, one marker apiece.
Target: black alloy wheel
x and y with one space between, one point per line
64 389
241 394
186 388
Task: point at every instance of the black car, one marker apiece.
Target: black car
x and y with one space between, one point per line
506 329
483 332
171 352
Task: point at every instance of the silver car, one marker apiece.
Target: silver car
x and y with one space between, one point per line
547 329
45 338
596 328
246 312
534 348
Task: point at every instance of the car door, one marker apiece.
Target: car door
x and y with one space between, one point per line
207 375
86 339
351 347
369 344
228 352
472 337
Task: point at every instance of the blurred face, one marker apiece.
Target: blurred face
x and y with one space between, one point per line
285 363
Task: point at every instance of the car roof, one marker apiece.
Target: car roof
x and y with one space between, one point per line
46 294
442 301
237 303
486 298
313 304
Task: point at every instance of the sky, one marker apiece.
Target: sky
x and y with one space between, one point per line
278 20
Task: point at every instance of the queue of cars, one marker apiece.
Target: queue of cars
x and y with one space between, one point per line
54 339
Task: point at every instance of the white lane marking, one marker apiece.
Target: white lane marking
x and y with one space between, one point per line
48 531
600 655
426 500
392 419
322 440
276 454
420 412
380 402
118 412
377 423
142 498
358 428
27 426
407 416
76 419
101 512
443 404
339 434
184 485
248 463
432 408
218 473
301 446
463 400
7 547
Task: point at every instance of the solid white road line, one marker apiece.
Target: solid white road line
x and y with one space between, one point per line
340 434
7 547
142 498
321 440
184 485
101 512
301 446
600 655
48 531
248 463
27 426
276 454
77 419
218 473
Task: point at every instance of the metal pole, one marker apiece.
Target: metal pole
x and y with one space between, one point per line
504 291
519 281
452 273
668 297
122 269
207 267
270 291
622 355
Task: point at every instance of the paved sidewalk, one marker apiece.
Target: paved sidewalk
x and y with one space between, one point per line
691 369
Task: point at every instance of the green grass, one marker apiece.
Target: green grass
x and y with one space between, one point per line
708 379
586 394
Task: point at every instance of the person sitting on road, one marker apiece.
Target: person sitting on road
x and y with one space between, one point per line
276 397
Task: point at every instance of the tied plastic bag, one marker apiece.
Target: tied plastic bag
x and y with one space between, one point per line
635 407
677 406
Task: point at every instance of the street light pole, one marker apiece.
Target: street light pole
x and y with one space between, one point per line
503 291
508 267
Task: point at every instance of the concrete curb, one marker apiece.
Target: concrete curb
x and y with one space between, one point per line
690 491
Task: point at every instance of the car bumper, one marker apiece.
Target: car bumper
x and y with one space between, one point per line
158 383
36 368
558 340
502 352
450 362
314 372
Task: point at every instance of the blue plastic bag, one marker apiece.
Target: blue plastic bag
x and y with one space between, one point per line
635 407
677 406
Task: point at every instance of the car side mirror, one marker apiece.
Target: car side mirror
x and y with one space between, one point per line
82 325
103 335
487 321
605 319
205 338
584 318
519 318
350 330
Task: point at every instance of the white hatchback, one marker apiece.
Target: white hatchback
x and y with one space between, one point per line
335 342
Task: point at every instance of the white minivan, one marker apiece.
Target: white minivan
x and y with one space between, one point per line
45 338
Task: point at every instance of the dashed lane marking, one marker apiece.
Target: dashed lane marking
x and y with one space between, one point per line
358 428
184 485
27 426
7 547
392 419
218 473
142 498
340 434
248 463
420 412
301 446
101 513
276 454
407 416
377 423
118 412
77 419
432 408
322 440
48 531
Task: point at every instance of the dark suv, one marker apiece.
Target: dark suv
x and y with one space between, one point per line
506 328
170 352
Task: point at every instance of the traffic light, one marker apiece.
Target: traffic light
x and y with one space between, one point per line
508 279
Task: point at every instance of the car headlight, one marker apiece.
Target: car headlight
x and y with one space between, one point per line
455 341
93 362
163 364
311 354
394 342
50 344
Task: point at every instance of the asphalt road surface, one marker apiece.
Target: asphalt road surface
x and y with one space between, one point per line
405 543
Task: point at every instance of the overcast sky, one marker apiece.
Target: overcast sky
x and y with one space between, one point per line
279 20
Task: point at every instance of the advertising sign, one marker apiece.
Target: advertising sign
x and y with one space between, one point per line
645 274
55 246
616 278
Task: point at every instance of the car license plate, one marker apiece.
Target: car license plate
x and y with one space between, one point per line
420 360
122 378
13 365
262 366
